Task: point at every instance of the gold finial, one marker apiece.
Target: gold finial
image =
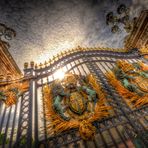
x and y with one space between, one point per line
49 61
32 64
45 63
25 65
64 51
36 66
40 65
58 55
61 53
54 58
73 49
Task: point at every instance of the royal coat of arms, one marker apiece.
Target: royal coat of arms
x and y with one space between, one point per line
131 81
75 102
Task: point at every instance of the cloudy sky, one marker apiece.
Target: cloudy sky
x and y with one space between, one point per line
45 27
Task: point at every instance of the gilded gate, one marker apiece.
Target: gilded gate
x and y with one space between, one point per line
25 124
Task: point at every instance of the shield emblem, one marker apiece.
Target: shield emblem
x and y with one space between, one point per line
77 103
142 83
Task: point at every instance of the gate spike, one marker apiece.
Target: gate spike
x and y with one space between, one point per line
45 64
25 65
32 64
36 66
40 65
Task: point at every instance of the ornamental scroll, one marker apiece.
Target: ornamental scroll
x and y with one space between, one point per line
131 82
9 94
74 102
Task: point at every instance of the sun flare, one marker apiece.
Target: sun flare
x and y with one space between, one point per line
59 74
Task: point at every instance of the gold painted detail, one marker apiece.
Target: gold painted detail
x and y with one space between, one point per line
77 103
132 84
142 84
68 52
78 107
9 94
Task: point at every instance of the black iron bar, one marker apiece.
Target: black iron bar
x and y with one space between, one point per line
3 118
36 115
18 136
44 116
6 128
121 137
13 125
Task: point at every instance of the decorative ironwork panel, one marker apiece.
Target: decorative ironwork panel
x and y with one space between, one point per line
25 123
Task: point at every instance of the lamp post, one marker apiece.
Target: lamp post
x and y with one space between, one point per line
6 32
120 17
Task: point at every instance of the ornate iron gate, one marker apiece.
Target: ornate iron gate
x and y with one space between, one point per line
24 124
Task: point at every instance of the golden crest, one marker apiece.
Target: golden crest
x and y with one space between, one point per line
77 103
69 107
142 83
137 80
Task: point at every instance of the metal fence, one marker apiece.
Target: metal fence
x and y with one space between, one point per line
24 124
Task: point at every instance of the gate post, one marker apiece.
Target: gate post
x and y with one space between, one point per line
24 132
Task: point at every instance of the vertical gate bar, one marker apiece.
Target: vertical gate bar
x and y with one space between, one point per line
109 131
121 137
44 116
95 144
144 128
131 122
109 64
115 111
83 68
45 132
1 106
83 71
36 115
102 137
90 69
1 112
125 105
19 123
85 145
77 68
113 140
66 67
72 69
29 132
13 125
107 71
1 125
6 129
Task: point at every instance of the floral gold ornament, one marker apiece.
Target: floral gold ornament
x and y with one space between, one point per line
9 94
130 81
74 102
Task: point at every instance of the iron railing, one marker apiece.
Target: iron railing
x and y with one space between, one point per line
24 124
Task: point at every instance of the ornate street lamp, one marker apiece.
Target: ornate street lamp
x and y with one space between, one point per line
121 17
6 33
